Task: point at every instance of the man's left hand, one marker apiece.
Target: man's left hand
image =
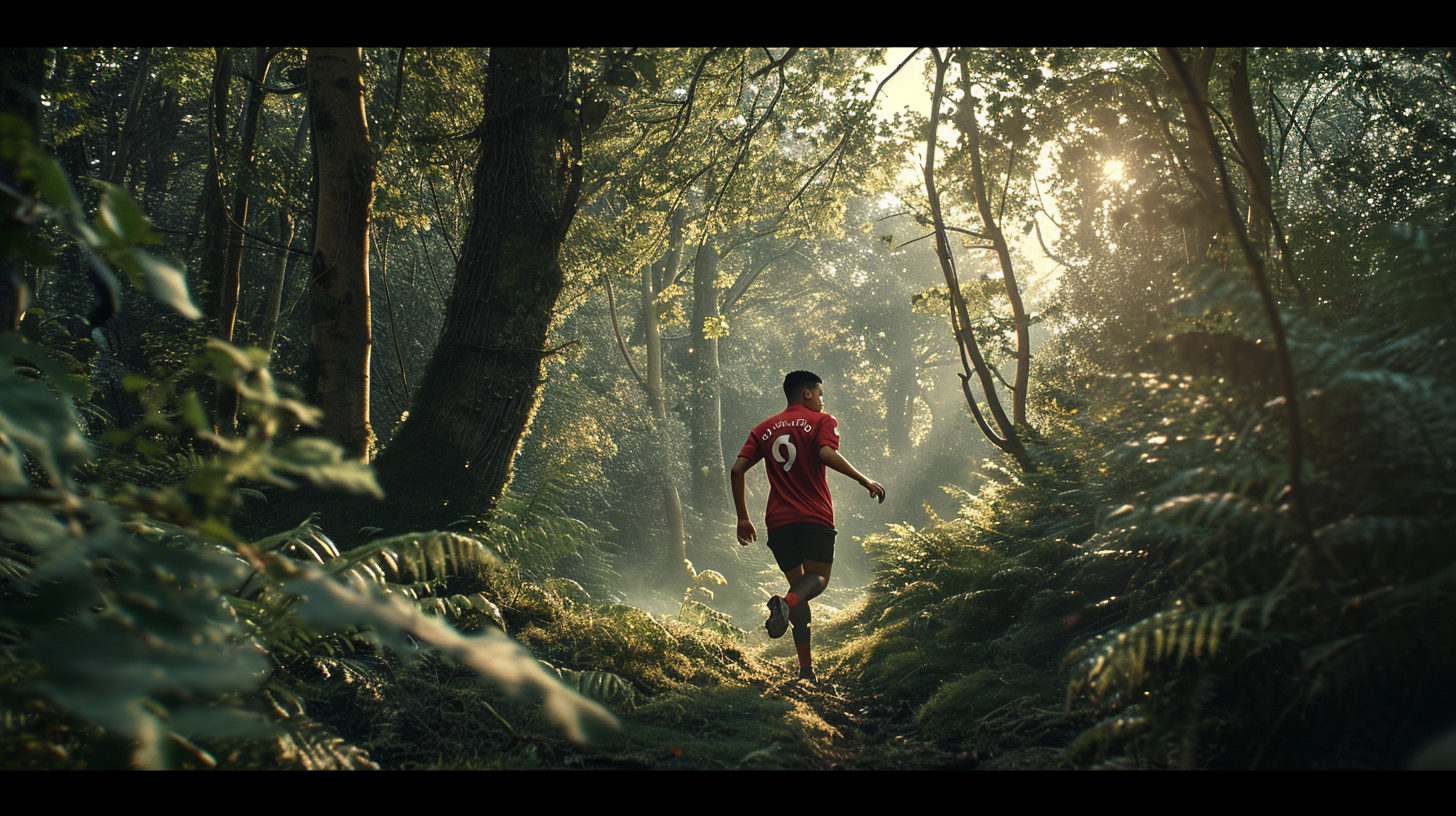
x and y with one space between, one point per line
876 489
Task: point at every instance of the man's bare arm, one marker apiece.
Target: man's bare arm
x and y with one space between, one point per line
746 533
833 459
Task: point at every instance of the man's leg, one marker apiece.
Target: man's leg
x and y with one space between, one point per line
805 582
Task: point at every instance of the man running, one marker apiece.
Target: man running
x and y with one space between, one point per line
800 442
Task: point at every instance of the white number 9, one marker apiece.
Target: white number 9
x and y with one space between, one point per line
784 451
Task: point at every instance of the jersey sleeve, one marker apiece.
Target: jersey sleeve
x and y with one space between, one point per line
827 433
750 450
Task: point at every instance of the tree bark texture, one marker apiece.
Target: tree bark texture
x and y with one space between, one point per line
1197 155
338 299
453 455
1250 146
273 296
22 70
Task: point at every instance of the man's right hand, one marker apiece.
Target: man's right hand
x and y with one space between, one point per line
746 533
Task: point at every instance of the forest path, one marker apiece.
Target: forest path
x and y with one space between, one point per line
769 719
782 723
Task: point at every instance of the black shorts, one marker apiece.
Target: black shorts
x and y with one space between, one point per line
793 544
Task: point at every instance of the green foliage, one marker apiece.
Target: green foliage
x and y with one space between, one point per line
137 610
700 614
154 627
1244 607
109 240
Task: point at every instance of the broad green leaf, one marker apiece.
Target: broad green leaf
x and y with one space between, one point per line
123 217
56 372
40 421
322 462
47 174
161 279
101 275
192 411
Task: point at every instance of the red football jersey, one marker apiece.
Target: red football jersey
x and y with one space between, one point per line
790 443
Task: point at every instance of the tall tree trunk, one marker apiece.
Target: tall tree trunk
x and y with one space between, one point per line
1003 435
453 455
1187 84
706 409
273 297
1198 155
161 153
230 284
125 132
1250 146
213 210
22 70
338 300
968 124
1263 226
652 282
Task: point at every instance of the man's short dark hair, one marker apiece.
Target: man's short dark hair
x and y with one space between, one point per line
794 381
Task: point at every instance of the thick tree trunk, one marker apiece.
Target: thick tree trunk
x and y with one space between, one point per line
338 300
1198 155
453 455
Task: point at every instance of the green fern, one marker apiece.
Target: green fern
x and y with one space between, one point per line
427 558
605 687
1115 667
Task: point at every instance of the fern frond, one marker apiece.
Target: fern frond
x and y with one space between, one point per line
456 606
415 558
1113 665
313 747
604 687
706 617
369 671
1096 739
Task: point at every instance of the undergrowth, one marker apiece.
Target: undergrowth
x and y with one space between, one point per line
1151 598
